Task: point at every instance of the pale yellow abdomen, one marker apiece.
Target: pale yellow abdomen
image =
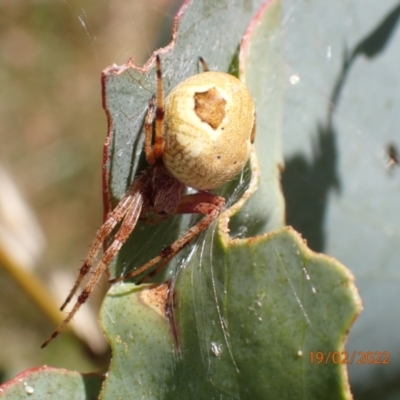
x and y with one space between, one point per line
209 126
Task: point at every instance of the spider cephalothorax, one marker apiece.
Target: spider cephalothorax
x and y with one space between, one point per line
202 139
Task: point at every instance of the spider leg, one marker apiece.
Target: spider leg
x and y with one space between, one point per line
113 219
198 203
148 131
131 216
203 64
153 152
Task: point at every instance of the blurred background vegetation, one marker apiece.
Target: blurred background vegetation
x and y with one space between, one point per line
52 128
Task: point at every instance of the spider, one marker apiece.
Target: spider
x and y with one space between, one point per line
202 138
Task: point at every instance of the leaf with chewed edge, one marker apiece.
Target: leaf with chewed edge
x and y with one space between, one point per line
243 317
242 320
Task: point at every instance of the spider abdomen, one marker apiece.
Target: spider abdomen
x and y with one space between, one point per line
209 126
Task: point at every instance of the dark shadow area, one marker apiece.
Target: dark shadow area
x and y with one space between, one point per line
92 383
306 184
385 389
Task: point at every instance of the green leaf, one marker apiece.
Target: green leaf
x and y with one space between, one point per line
241 317
341 117
262 70
52 383
248 315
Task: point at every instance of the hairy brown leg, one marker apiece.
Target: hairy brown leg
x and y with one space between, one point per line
128 224
102 233
198 203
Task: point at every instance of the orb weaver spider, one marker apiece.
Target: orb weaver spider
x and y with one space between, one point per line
202 139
